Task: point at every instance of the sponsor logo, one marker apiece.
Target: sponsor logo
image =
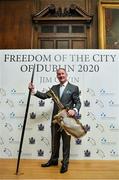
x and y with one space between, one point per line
87 153
40 152
31 140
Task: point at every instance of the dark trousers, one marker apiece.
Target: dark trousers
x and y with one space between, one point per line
56 136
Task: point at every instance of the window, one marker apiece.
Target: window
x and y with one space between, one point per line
77 29
47 28
62 29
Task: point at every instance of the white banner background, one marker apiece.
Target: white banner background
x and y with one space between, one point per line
96 72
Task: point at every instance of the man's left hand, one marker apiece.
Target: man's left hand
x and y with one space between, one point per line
71 112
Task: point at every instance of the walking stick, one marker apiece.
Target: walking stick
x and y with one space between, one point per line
25 118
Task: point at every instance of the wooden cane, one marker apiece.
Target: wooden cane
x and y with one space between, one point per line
24 124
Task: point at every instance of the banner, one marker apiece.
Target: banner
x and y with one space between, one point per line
95 72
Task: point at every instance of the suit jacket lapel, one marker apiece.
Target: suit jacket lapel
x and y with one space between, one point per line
58 91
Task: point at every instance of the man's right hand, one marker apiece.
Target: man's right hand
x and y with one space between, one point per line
32 88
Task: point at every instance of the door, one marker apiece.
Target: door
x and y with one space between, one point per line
62 28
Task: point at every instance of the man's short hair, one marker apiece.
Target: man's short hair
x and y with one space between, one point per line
61 69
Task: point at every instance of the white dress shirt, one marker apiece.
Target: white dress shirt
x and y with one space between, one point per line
62 87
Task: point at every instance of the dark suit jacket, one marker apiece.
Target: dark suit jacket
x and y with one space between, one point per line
70 98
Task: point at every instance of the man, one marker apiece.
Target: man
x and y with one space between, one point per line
69 97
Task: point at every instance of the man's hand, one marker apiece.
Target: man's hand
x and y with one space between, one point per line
71 112
32 88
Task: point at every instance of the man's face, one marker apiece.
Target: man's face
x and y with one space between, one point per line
61 76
